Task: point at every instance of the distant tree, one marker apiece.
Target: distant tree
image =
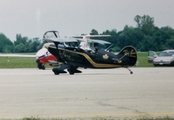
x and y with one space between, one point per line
145 23
130 36
20 39
24 44
20 48
148 43
94 32
170 43
5 43
34 45
137 19
21 44
113 39
8 49
167 36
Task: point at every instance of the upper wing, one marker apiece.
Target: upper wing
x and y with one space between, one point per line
88 36
61 40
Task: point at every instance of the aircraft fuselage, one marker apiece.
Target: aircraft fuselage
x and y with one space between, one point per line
89 59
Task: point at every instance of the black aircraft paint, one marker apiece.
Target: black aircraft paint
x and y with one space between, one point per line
74 57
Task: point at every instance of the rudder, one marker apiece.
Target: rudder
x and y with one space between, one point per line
129 54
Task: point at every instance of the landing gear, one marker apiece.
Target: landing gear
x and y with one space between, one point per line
70 71
62 67
131 72
57 71
73 70
40 65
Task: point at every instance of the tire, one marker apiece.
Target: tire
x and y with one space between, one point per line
56 73
70 72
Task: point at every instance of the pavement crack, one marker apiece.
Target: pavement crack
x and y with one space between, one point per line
104 104
124 108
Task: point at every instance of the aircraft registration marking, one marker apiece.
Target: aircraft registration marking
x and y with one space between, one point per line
132 53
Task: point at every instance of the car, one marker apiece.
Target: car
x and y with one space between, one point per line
151 56
165 58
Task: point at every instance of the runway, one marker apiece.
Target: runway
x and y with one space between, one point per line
113 93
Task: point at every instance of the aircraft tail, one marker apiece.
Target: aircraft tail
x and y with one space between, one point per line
128 56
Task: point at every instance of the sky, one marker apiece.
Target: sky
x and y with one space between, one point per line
32 18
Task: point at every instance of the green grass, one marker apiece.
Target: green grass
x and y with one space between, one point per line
15 62
11 62
142 60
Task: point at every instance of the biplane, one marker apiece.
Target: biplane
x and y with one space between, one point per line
75 52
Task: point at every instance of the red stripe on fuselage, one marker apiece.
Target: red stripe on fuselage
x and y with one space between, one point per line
45 59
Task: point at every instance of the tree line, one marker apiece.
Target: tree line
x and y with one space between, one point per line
20 45
144 37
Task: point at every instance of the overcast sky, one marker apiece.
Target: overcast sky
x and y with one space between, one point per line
32 18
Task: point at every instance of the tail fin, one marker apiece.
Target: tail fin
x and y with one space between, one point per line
128 56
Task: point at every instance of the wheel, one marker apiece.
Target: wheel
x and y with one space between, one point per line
43 67
70 72
56 73
40 65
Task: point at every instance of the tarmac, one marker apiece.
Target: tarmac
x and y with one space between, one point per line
108 93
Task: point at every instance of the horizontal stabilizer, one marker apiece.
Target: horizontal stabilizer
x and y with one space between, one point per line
129 55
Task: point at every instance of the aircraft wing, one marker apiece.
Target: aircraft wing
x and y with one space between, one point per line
99 41
88 36
61 40
17 55
98 35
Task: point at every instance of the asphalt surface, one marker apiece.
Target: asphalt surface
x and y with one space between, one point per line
94 93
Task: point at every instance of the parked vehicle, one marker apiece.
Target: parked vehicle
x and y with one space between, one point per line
151 56
165 58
